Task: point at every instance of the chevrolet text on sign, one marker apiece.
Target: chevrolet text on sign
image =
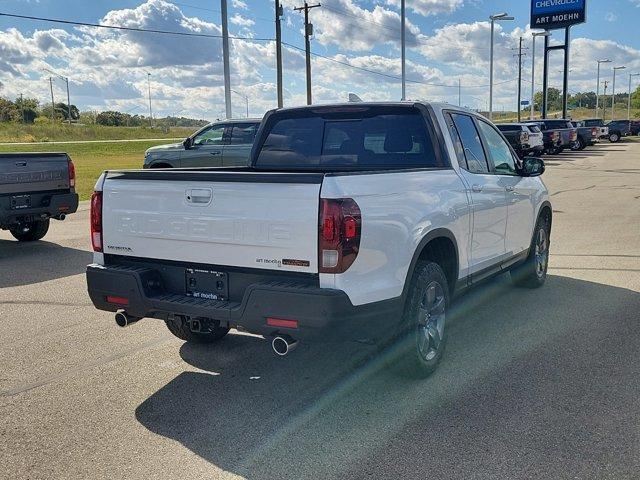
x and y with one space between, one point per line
553 14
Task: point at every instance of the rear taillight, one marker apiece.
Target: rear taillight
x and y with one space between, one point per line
338 234
574 135
72 174
594 132
524 137
96 221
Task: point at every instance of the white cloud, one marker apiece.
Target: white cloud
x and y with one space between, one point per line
612 17
241 21
352 28
239 4
430 7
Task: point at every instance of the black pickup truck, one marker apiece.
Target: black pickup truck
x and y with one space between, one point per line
35 187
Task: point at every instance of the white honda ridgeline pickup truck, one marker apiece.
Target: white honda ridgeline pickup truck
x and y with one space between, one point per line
357 220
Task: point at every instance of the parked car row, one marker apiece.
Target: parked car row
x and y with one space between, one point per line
558 135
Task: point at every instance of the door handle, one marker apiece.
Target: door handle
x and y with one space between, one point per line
200 196
217 152
510 188
476 188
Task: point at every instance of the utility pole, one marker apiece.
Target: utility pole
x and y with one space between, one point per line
598 86
308 31
520 54
631 75
279 12
225 58
459 92
24 121
403 49
150 111
53 103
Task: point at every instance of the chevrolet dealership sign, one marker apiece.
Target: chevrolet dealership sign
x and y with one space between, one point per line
553 14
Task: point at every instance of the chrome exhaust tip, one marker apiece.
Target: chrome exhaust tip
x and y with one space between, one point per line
124 320
283 345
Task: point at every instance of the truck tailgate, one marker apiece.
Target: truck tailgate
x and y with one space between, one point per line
241 219
22 173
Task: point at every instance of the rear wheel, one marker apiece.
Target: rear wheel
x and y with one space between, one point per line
578 145
533 273
30 231
614 137
424 335
181 328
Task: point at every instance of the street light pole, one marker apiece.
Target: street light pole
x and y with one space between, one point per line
613 94
246 99
494 18
533 68
598 87
629 100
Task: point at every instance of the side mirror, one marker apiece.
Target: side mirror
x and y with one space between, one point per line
187 143
532 167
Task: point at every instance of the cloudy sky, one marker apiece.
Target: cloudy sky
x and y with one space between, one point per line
356 44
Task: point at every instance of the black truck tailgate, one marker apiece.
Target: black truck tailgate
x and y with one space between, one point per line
23 173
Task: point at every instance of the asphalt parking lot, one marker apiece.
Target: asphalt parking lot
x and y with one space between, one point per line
534 384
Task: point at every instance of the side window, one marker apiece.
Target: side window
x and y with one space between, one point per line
471 143
243 133
210 136
499 150
457 142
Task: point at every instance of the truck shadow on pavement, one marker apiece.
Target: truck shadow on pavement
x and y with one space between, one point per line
534 383
35 262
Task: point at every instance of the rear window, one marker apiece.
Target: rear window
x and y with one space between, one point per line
534 128
509 128
360 139
558 124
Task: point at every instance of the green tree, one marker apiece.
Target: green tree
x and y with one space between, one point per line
26 110
554 99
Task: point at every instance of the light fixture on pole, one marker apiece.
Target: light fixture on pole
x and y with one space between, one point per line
613 92
66 80
629 100
533 67
245 98
598 87
494 18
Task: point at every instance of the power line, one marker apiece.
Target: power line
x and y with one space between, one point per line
387 75
130 29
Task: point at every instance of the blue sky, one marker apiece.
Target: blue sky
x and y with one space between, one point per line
448 42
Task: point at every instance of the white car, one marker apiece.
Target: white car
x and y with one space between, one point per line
351 218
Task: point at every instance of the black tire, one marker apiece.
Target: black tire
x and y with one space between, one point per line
614 137
424 335
578 145
533 272
180 328
30 231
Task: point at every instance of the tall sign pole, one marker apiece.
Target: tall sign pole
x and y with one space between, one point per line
225 58
403 50
279 54
555 16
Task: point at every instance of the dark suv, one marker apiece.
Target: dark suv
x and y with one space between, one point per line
619 129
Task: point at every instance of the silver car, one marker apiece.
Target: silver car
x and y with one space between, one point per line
219 144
